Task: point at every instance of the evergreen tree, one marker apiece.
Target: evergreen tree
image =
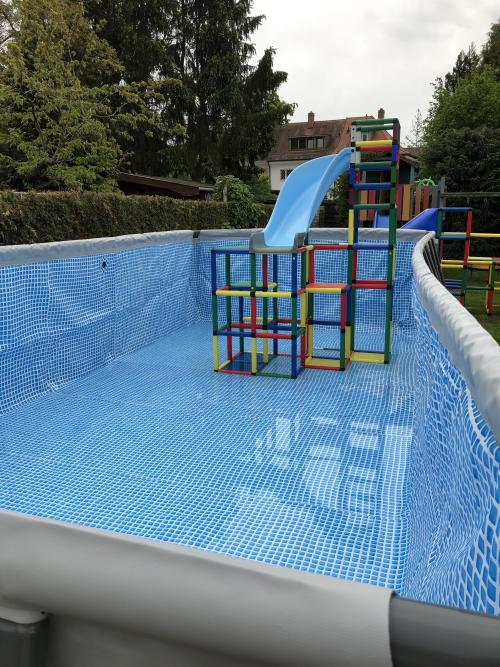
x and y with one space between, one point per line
234 108
228 108
139 33
7 22
465 65
491 51
251 131
51 130
59 128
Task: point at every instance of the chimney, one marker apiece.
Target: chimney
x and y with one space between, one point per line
381 113
310 120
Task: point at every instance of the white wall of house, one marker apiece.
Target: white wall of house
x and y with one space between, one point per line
276 169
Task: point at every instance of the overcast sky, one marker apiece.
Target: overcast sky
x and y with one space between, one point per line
350 58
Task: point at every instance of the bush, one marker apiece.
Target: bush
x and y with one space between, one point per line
243 211
62 216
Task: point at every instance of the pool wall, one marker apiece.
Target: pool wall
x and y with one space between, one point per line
64 316
454 473
67 309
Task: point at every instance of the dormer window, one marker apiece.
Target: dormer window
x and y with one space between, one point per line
306 143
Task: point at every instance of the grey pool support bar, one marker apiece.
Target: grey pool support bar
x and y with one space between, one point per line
118 598
234 612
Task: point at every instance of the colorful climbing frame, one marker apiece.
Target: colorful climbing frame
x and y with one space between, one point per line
258 323
460 286
272 315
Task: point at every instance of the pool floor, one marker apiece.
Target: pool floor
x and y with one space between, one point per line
307 473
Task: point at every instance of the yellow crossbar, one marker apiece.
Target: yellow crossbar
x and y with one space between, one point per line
368 357
266 295
323 363
232 292
484 235
478 260
226 363
378 142
324 290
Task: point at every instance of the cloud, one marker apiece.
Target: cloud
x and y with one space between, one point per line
349 59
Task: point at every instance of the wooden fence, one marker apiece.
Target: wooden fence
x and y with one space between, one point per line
410 199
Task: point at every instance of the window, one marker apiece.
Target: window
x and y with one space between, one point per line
306 143
284 173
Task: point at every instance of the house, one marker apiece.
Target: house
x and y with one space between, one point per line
138 184
298 142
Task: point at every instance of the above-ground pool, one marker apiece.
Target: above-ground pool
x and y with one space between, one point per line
113 419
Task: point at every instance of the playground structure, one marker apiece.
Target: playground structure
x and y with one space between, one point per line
460 287
281 268
434 219
411 199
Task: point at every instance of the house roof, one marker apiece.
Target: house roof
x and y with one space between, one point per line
176 185
337 135
410 155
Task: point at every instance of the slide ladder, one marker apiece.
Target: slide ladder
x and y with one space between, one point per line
379 177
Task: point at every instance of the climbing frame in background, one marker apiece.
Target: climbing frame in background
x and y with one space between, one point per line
460 286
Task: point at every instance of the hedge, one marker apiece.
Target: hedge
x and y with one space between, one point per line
61 216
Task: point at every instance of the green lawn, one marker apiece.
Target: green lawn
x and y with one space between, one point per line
475 302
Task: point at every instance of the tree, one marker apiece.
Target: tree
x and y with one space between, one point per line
475 102
52 133
138 31
234 108
243 211
260 186
415 138
463 141
7 22
228 108
470 160
490 54
258 111
60 129
466 64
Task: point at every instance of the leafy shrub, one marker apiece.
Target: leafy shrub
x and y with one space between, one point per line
61 216
243 211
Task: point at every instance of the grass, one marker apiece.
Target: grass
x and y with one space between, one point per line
475 302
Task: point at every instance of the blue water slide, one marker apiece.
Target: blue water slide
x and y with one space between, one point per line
381 221
426 221
299 200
